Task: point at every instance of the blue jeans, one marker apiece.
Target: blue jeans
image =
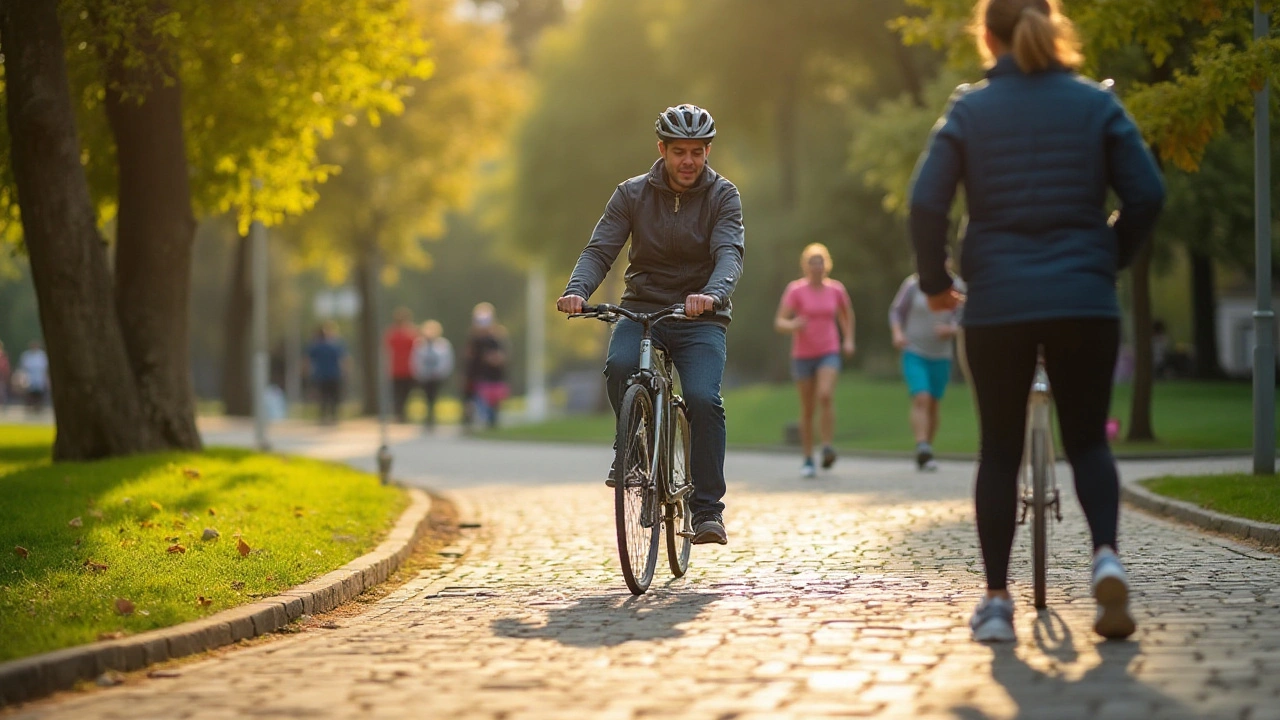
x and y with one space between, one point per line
698 350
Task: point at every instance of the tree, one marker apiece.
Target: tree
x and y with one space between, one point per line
400 176
167 95
88 361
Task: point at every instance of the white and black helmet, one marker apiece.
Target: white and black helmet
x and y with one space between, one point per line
685 122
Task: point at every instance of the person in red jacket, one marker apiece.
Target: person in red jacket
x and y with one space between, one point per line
399 340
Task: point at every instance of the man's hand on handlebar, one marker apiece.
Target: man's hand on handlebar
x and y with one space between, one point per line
570 304
695 305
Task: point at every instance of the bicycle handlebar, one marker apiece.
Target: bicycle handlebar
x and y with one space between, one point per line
605 311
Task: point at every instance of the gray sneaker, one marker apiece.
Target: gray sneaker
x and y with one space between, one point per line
1111 589
709 528
992 621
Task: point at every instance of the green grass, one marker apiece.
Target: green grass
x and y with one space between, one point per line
872 415
301 519
1256 497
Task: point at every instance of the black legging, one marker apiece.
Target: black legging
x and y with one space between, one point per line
1080 357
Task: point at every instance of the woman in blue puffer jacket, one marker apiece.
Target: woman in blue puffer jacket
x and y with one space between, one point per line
1037 147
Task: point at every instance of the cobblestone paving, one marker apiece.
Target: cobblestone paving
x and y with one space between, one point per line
841 597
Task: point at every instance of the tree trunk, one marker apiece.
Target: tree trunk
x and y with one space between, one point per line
94 392
237 393
1204 299
1140 428
155 233
365 280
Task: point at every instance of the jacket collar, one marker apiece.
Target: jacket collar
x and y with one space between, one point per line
658 178
1007 65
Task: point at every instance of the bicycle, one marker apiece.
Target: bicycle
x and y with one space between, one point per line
652 480
1038 489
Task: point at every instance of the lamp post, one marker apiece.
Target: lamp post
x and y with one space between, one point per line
383 457
258 250
1264 319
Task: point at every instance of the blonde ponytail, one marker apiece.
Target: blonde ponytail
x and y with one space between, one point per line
1036 32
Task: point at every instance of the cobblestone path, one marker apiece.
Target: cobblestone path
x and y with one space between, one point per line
841 597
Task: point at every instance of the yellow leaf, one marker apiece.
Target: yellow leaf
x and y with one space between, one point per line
176 549
243 547
156 505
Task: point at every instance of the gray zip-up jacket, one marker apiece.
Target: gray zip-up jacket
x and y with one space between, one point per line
681 244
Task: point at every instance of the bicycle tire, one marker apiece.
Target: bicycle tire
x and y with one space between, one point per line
678 547
635 493
1040 459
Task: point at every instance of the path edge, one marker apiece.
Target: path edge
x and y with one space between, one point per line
1266 534
40 675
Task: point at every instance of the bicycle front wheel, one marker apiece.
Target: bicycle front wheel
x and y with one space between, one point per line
635 492
1040 469
677 512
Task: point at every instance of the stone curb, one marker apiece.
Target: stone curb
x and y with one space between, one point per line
39 675
1259 532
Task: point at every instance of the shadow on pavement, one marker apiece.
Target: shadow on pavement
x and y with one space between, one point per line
1106 689
609 620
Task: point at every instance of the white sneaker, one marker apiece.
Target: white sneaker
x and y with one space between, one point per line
1110 587
808 470
930 466
992 621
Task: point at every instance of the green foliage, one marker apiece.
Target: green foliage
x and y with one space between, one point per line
300 519
400 176
255 104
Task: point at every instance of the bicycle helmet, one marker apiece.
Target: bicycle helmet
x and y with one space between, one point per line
685 122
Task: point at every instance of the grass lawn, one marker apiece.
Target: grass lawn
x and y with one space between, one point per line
77 538
1248 496
872 415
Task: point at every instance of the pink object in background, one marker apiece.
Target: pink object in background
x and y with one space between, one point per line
1113 429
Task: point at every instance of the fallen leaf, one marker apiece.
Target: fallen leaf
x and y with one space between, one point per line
243 547
237 585
156 505
179 525
111 635
146 524
21 551
110 678
191 472
124 607
77 542
126 501
128 543
75 522
96 514
271 578
212 511
210 534
175 549
94 566
164 674
203 601
173 538
297 512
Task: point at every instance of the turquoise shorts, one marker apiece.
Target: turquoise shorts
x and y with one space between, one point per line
926 375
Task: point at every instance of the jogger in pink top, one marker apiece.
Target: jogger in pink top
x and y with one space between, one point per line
816 310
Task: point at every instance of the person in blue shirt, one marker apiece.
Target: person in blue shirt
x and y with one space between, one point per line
327 363
1037 147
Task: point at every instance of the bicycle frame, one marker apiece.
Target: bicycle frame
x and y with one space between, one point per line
1039 415
655 374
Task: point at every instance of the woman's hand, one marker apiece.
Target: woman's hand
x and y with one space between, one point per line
848 348
946 300
899 339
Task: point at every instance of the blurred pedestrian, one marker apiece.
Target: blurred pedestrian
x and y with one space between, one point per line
924 337
327 364
432 365
486 365
818 314
399 340
35 371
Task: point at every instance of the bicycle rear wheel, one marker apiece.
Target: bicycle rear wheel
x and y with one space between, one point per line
1040 469
635 492
678 546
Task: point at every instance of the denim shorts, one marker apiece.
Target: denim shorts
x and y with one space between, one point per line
806 368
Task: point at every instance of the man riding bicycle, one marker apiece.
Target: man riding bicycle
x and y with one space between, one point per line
685 224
